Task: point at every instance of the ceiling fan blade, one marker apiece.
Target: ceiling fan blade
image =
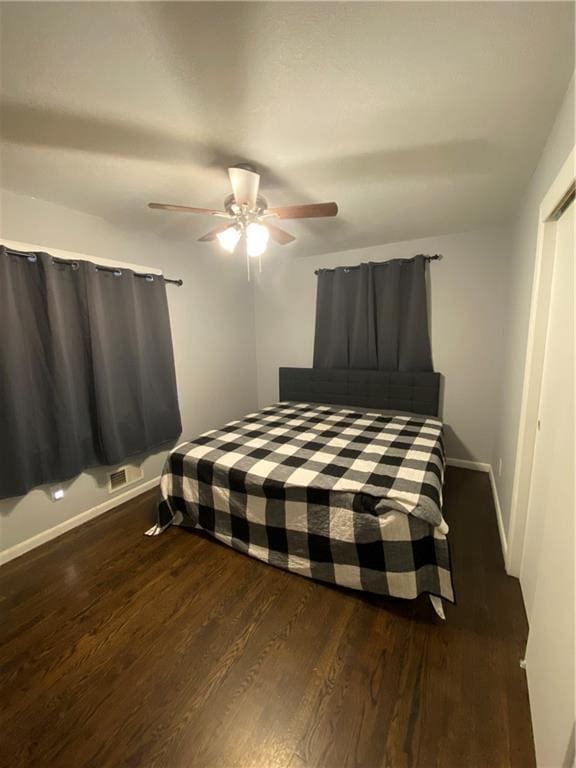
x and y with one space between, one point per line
188 209
213 234
245 185
279 235
311 211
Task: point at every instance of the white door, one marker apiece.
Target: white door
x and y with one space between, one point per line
547 573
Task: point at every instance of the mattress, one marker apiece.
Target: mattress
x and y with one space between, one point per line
351 497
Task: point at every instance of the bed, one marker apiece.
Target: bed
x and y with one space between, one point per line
340 481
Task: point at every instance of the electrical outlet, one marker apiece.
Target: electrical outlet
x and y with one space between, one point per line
57 494
499 467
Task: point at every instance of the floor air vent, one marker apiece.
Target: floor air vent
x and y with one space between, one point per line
124 476
117 479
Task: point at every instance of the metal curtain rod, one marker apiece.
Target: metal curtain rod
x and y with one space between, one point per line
99 268
435 257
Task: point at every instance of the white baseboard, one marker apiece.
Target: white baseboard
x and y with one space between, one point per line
74 522
481 467
503 539
465 464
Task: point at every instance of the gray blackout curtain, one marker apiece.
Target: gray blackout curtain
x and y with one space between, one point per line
86 369
373 316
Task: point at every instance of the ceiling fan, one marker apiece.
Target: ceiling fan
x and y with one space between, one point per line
248 216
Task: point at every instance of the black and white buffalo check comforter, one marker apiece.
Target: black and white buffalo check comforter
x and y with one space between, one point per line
347 497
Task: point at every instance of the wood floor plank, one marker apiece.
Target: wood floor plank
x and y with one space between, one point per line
123 650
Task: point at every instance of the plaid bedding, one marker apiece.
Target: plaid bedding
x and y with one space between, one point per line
331 493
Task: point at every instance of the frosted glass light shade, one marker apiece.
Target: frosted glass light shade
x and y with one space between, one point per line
257 236
228 239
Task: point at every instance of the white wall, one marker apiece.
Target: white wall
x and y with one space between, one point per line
548 593
467 309
212 329
515 326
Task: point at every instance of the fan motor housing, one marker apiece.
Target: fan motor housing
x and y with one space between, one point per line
230 205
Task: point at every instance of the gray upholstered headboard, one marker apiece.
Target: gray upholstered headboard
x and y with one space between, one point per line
414 392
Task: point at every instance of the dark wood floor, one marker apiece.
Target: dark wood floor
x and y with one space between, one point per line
175 651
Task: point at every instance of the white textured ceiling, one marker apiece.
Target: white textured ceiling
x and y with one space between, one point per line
417 118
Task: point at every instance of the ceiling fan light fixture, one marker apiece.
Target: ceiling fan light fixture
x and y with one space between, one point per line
228 239
257 236
245 210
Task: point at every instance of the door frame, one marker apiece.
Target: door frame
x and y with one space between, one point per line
533 369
